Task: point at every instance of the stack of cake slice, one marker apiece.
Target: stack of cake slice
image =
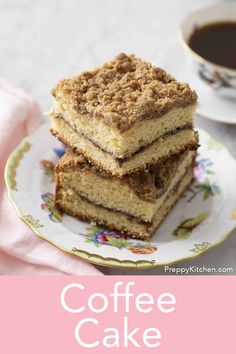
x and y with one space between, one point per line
131 144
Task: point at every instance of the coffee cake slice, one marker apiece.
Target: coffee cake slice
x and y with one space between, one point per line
139 195
121 107
70 202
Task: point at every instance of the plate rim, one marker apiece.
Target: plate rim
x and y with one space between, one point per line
105 261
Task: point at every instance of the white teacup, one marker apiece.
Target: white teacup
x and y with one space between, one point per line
221 79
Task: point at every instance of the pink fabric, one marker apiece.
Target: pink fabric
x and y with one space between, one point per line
21 251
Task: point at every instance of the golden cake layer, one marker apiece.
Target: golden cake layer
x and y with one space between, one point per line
135 204
172 143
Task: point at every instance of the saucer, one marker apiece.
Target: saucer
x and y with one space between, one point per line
210 106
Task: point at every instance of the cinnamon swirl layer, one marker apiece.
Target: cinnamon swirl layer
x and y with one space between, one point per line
171 143
70 202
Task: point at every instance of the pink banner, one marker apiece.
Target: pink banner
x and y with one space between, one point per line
164 315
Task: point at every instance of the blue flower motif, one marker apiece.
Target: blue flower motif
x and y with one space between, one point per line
60 152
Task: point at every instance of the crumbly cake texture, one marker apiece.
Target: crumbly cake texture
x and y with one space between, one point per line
129 128
124 91
139 195
70 202
124 105
172 143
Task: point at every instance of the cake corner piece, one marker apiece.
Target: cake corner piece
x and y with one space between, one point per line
124 105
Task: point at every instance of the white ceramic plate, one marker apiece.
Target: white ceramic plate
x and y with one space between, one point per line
210 106
202 218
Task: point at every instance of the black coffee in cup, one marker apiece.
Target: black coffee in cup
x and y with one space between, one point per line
216 42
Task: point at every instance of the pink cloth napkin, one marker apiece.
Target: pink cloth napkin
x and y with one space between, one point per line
21 251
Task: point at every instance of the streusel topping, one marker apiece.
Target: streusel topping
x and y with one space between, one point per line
124 91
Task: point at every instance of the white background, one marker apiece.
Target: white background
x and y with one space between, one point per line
42 41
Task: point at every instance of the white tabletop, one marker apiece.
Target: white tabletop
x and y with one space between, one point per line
43 41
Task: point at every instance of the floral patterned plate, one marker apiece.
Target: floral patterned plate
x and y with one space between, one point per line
202 218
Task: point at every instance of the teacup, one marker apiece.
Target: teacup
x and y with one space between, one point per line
221 79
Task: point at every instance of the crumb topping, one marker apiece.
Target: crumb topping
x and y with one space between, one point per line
124 91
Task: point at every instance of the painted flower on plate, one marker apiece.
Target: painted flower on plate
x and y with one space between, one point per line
186 227
49 206
200 247
60 151
203 166
143 249
101 236
32 221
